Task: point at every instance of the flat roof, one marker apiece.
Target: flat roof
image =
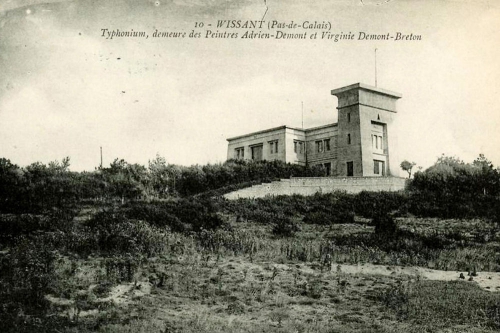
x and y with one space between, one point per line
263 131
368 88
281 128
320 127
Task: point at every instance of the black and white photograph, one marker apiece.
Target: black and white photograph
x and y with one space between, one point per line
249 166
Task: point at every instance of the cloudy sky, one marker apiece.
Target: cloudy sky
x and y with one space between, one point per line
65 90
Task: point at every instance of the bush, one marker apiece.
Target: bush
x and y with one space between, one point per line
13 226
181 215
27 274
114 233
384 224
371 204
284 226
322 218
157 215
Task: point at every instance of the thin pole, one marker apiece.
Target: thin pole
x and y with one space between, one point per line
375 67
302 115
101 157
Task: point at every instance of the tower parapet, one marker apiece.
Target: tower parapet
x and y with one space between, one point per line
366 142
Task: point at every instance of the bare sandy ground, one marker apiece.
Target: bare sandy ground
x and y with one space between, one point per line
486 280
125 293
120 294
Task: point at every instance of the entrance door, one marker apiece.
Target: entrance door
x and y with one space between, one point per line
378 168
350 169
257 153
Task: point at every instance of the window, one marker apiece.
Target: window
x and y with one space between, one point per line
378 137
239 153
319 146
273 147
348 117
327 144
377 141
348 139
323 145
298 147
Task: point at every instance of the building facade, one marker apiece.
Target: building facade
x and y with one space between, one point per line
360 144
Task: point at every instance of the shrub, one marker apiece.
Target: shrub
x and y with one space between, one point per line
27 274
371 204
13 226
323 218
284 226
115 233
181 215
157 215
384 224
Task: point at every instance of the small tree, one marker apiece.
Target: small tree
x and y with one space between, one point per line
407 166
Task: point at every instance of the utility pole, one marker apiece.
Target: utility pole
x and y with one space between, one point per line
101 157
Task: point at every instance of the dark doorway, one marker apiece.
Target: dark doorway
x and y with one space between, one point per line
328 169
379 168
350 169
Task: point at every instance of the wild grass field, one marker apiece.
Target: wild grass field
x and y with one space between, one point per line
108 273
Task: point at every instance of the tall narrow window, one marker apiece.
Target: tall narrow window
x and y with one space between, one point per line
348 117
273 147
378 138
327 144
348 139
319 146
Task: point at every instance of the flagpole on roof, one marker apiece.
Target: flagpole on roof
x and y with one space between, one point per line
302 115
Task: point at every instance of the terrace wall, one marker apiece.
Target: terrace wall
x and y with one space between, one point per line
312 185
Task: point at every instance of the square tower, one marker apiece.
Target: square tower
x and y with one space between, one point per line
366 141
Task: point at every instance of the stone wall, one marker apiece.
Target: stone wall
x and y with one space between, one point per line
312 185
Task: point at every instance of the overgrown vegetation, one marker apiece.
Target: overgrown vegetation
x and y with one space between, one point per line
124 247
38 187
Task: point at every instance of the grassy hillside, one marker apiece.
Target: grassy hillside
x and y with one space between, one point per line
370 262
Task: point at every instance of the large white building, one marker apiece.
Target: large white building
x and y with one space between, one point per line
360 144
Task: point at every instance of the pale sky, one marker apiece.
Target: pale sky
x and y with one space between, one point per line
66 91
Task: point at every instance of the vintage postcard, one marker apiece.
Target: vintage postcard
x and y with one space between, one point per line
249 166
